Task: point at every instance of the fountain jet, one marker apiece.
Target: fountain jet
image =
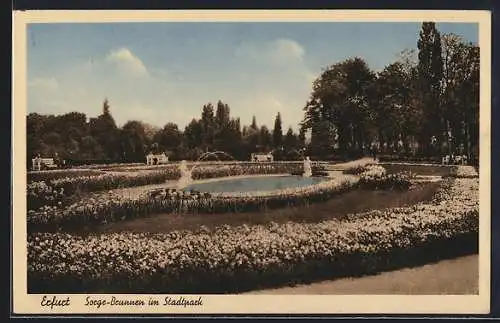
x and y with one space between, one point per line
186 177
186 173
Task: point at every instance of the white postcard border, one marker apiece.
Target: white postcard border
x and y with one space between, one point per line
24 303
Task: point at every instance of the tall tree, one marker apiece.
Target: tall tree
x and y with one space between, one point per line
460 93
208 125
254 123
223 127
430 73
105 132
193 134
277 132
222 114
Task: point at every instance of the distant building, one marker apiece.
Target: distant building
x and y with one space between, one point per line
260 157
156 159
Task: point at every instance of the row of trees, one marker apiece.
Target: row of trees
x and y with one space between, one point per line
73 138
427 105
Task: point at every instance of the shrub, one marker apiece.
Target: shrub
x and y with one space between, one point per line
375 177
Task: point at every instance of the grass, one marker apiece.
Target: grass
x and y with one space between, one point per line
459 276
338 207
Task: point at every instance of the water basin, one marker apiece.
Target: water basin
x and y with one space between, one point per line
253 184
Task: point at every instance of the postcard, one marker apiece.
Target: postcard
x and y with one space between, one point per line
251 162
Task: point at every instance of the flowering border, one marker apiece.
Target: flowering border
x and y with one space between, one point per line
234 259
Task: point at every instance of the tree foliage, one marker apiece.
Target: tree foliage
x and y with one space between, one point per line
424 104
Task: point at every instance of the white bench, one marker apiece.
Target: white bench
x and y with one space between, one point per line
38 163
458 159
262 158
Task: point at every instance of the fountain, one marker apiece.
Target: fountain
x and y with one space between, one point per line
211 153
249 184
186 174
307 167
186 178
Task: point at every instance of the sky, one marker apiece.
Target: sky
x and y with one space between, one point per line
166 72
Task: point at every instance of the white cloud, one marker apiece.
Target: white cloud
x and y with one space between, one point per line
44 84
276 51
264 79
277 79
124 59
288 48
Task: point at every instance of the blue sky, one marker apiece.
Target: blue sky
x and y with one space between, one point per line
165 72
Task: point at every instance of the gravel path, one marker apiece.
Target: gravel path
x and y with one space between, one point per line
459 276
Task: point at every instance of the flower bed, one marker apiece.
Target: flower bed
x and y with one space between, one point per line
110 207
40 194
48 175
112 181
358 166
212 164
466 172
108 166
76 185
420 169
376 177
240 258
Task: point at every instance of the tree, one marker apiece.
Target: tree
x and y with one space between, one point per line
35 124
234 139
169 138
254 123
265 139
133 141
105 132
322 136
193 134
251 138
222 114
338 106
90 149
390 100
302 137
224 128
277 132
460 93
430 72
150 131
208 126
290 141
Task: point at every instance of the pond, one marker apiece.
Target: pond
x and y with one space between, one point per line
257 183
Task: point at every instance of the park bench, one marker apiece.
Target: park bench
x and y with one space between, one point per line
455 160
